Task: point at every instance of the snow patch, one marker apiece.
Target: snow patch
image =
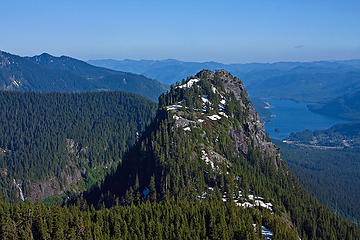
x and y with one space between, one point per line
251 197
187 129
173 107
201 120
205 99
222 104
246 204
214 117
223 114
206 159
213 89
190 83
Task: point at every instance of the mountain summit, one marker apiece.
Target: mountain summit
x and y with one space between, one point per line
207 142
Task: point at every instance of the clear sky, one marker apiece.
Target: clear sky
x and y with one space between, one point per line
198 30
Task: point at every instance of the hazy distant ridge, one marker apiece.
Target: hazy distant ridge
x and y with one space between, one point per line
302 81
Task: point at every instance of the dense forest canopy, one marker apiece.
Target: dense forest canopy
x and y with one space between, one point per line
69 137
331 175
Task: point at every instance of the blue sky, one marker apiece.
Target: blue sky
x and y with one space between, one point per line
197 30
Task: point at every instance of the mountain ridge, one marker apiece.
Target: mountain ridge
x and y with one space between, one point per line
207 142
318 79
47 73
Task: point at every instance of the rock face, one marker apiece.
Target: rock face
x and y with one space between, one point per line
51 186
70 175
252 132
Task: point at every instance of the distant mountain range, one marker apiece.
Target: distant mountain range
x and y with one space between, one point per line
46 73
301 81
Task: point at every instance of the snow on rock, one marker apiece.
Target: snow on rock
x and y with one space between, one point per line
207 159
213 89
222 104
189 83
187 129
214 117
260 203
269 206
205 99
247 204
173 107
223 114
176 117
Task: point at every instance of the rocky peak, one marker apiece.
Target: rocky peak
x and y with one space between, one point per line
205 131
250 133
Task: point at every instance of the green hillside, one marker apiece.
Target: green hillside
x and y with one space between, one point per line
53 142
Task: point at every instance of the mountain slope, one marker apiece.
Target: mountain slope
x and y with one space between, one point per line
51 143
46 73
330 174
207 142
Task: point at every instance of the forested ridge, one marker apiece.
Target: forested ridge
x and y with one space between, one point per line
69 137
189 153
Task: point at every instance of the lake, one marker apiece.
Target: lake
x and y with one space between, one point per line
290 116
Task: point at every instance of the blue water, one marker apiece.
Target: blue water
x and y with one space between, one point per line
291 116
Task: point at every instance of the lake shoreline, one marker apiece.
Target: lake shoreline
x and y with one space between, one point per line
285 116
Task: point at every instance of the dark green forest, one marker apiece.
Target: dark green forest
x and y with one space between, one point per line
330 175
170 219
66 136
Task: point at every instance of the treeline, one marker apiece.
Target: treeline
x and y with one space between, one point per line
55 134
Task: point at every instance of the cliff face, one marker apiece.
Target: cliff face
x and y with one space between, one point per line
252 132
